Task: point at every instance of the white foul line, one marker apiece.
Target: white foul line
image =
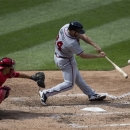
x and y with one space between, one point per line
93 126
108 95
74 95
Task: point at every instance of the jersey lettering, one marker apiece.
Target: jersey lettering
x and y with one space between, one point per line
59 44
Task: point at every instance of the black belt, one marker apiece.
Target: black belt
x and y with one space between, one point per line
61 56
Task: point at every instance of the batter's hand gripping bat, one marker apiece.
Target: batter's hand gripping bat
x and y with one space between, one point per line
117 68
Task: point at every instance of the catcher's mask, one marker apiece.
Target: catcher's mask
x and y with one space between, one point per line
76 26
6 62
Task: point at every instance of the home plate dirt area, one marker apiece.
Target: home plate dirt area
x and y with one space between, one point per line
70 110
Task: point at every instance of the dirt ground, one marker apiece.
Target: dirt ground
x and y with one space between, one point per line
23 110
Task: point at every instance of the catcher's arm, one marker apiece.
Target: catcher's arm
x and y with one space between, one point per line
21 75
39 77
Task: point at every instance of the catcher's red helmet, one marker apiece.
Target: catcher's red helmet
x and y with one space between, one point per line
6 62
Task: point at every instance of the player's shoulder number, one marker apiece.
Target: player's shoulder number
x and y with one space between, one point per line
59 44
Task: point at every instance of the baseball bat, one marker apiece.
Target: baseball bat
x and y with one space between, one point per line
117 68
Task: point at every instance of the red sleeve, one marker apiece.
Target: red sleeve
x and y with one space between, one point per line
16 74
13 74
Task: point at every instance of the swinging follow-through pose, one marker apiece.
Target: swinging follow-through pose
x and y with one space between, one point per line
67 44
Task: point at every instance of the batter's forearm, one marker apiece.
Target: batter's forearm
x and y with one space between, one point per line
90 42
91 56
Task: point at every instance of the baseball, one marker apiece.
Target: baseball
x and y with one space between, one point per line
128 61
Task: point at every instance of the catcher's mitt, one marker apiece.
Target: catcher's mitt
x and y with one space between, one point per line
39 77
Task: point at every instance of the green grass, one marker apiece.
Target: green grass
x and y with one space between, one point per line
119 53
10 6
28 31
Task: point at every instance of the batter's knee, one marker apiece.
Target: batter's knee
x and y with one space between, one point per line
70 85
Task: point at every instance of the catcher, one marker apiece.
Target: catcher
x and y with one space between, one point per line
7 71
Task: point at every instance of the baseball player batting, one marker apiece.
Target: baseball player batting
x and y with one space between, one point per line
66 45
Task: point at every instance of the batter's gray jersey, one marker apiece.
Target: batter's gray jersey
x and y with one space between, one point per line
65 48
67 45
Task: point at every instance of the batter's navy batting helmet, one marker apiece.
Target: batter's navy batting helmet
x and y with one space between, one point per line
76 26
6 62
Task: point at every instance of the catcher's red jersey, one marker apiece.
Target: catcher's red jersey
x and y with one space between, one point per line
10 75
